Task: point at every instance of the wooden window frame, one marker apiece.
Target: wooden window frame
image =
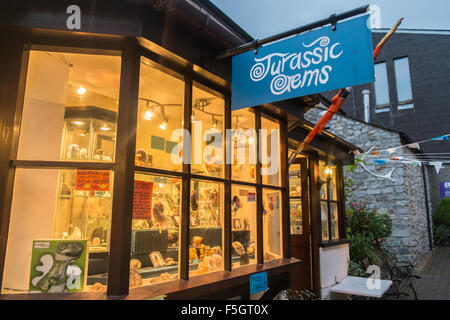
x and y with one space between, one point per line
123 166
340 204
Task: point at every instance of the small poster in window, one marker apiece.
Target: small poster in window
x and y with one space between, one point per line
142 200
58 266
92 180
251 197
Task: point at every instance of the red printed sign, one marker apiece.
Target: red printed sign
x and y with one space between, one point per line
142 200
92 180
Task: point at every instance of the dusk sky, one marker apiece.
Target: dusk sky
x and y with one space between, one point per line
262 18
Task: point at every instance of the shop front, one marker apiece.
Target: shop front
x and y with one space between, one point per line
121 172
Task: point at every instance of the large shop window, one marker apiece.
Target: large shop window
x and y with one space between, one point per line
62 205
70 107
59 230
156 229
270 152
208 141
272 224
329 203
206 227
159 139
244 145
243 225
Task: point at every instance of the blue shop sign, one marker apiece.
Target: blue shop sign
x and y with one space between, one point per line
308 63
444 187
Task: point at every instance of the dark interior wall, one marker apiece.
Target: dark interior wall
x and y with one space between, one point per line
429 62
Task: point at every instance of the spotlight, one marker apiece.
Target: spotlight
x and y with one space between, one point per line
163 125
148 115
81 91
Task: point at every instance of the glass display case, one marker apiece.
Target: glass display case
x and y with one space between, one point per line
85 196
89 134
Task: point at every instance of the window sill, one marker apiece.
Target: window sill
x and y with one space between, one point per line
333 243
178 289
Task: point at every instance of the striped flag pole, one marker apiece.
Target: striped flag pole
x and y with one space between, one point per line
339 100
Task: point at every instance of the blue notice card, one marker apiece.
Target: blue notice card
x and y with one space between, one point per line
258 282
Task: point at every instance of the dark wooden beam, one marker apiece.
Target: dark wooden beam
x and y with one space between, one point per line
285 223
341 206
315 222
227 212
13 65
186 184
119 260
259 195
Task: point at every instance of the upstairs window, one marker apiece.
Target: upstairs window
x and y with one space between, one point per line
403 82
381 88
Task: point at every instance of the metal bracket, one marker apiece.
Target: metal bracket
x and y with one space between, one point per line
333 20
255 46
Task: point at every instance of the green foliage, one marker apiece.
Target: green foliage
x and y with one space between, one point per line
441 235
349 184
300 295
367 230
442 215
441 223
354 269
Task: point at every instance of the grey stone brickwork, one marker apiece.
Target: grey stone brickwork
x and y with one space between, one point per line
403 200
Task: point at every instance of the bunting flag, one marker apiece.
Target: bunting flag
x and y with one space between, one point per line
442 138
437 166
414 146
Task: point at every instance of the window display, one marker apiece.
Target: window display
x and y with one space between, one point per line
69 113
243 225
155 229
328 200
295 199
272 224
244 145
270 152
79 93
207 132
160 113
206 227
81 212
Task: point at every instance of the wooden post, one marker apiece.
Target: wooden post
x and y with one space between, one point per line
227 236
186 183
285 223
122 210
13 63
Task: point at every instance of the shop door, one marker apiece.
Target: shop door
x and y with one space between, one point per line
300 222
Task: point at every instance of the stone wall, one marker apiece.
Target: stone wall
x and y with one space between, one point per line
403 200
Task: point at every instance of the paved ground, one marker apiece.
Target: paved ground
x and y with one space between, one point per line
435 282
